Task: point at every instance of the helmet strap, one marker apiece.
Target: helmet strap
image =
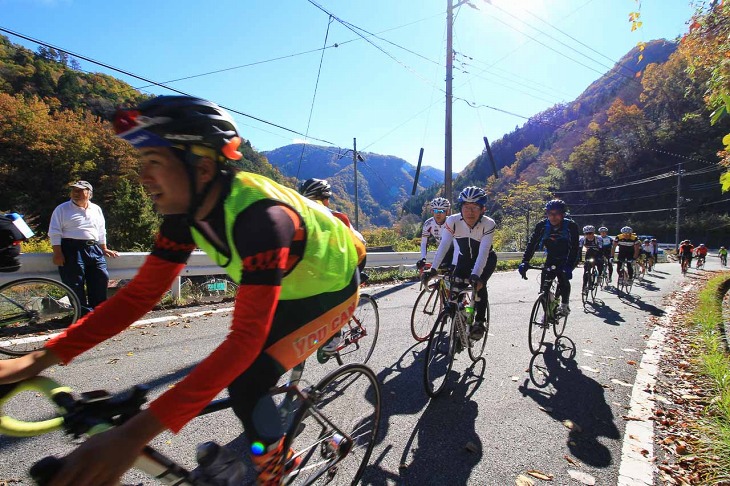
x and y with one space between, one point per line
191 161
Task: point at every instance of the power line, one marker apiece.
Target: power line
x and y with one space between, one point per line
314 96
634 183
147 80
625 212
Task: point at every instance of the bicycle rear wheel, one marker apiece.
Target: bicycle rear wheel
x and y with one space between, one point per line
360 333
594 285
426 310
476 349
31 309
538 324
333 435
439 354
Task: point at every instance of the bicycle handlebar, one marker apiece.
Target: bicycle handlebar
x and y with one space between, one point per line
48 388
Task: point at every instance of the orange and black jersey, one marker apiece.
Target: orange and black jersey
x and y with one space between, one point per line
270 240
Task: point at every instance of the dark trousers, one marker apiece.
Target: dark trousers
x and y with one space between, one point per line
463 270
84 271
558 273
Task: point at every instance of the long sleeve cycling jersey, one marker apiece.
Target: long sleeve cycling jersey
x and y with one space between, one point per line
561 242
592 246
283 250
472 242
431 228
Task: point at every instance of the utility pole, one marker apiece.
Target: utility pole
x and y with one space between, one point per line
354 164
679 204
449 97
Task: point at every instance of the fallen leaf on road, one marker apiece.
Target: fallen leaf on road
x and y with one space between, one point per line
588 368
540 475
130 354
471 447
112 361
572 425
629 418
515 378
572 461
631 362
545 409
622 383
523 480
582 477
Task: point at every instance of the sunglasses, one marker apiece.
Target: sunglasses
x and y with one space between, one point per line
554 213
589 234
439 211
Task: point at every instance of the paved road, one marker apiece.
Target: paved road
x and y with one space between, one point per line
509 424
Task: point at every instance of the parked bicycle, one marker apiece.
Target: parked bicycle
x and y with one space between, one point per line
450 335
331 426
31 310
545 310
428 306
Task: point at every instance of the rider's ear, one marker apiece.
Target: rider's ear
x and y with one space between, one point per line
207 169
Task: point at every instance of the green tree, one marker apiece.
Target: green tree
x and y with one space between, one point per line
521 205
130 218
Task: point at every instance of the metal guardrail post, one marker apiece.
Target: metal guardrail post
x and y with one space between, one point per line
175 289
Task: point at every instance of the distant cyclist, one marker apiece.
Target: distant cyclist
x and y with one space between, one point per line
472 233
320 190
594 250
701 252
607 250
628 250
722 253
558 235
685 252
434 227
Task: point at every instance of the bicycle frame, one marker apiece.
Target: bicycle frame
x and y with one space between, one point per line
22 311
77 417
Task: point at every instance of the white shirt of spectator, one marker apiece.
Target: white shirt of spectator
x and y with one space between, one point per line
71 221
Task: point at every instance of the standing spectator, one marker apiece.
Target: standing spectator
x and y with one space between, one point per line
78 236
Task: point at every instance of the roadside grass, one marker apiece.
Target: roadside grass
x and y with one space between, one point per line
715 362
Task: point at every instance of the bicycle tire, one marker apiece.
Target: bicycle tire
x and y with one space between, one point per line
360 334
47 306
476 349
594 285
424 314
438 365
314 436
559 323
538 325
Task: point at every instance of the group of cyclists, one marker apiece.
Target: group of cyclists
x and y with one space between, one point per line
299 267
464 243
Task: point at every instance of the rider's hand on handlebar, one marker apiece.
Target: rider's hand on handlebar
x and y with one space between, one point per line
431 272
475 281
25 367
523 270
421 263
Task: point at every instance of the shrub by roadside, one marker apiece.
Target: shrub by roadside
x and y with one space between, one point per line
692 411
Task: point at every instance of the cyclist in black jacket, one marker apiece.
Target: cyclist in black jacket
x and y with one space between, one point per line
558 235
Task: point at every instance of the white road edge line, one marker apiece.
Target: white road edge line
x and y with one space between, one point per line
637 453
154 320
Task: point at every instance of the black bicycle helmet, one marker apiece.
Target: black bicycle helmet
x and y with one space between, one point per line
556 205
316 189
179 121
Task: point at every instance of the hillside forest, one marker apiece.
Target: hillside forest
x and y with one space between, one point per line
614 153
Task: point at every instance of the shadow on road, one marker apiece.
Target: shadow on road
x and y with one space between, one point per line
602 310
445 434
565 393
636 302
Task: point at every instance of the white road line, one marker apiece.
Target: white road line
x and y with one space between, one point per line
637 453
141 322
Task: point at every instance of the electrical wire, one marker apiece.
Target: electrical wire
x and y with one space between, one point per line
624 212
154 83
314 96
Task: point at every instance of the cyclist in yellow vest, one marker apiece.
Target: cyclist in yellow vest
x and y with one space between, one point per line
295 263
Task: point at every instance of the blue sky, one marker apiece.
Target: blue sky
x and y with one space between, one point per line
392 103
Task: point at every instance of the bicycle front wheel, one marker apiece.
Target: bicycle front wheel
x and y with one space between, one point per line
360 333
334 432
426 310
538 324
439 354
594 286
31 309
476 349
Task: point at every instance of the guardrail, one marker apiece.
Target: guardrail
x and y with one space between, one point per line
127 264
